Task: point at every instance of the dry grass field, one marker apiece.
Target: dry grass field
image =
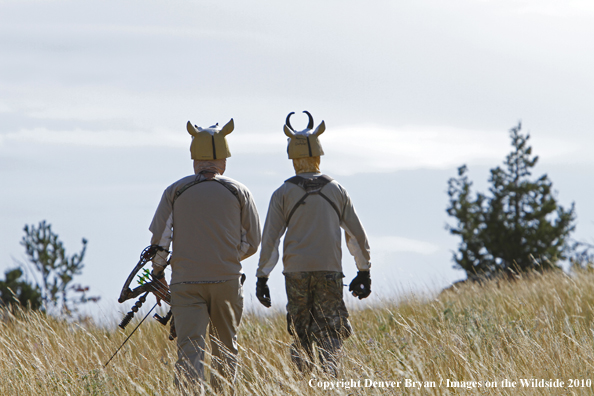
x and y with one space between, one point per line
502 338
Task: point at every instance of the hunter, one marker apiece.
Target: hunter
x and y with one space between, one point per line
213 224
312 208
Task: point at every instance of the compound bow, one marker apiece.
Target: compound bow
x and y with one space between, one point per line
148 284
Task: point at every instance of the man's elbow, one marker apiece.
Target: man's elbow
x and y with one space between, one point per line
250 252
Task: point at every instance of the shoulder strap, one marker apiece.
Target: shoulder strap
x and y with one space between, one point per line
229 186
232 189
311 185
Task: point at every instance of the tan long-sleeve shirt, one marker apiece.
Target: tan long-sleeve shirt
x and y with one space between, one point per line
313 237
211 227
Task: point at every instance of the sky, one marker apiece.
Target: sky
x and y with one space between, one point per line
95 96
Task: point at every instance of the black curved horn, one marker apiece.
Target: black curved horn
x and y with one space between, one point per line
310 123
288 122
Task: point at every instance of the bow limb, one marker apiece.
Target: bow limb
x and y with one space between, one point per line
126 292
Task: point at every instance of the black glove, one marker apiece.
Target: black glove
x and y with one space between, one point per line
361 285
263 292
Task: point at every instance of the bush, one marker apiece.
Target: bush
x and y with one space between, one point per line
13 290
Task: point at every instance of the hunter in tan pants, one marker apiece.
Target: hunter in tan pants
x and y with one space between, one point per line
213 224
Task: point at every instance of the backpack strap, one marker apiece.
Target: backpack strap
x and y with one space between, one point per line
232 189
311 186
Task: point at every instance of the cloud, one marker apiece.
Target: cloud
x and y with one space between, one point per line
105 138
554 8
374 148
259 143
349 150
391 244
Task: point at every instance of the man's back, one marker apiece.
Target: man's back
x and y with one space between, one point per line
313 236
206 216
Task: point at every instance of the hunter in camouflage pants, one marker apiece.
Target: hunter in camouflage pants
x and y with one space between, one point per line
316 312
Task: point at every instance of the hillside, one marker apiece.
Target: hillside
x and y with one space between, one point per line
529 337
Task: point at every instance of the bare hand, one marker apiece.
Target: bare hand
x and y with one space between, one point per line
161 291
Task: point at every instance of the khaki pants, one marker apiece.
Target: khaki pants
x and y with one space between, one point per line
195 307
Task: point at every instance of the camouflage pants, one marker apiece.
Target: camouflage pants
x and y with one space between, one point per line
316 313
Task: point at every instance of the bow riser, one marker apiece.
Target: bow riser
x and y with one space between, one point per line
128 294
147 255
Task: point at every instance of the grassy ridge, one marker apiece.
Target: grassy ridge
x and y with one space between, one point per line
539 328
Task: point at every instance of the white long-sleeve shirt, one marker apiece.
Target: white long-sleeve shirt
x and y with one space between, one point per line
313 237
211 228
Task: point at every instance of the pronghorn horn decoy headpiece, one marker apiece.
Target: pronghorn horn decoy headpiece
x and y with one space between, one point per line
304 143
210 143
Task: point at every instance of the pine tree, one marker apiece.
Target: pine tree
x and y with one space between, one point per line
48 257
518 225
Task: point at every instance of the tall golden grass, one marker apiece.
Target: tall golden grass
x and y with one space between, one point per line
539 327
